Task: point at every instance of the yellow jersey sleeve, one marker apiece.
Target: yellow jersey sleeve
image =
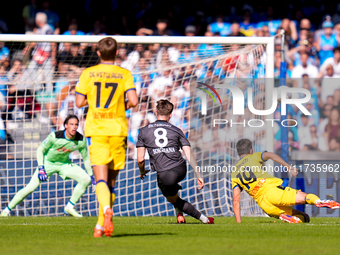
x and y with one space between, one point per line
235 183
258 157
82 86
250 175
129 82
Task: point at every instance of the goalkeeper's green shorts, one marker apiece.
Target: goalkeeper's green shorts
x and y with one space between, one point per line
60 168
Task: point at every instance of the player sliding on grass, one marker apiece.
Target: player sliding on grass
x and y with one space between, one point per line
53 157
163 142
266 190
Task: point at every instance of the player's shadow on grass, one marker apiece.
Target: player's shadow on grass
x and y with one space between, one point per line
142 234
188 223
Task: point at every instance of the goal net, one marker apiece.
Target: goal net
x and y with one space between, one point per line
37 84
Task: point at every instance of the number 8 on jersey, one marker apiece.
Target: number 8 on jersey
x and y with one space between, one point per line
161 139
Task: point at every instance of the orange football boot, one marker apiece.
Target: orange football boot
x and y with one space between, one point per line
108 225
327 203
290 219
180 219
98 232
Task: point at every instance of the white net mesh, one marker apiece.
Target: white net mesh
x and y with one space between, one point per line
37 93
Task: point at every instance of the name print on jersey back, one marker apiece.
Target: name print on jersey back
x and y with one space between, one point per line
163 142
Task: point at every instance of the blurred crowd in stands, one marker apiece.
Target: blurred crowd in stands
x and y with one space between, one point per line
41 77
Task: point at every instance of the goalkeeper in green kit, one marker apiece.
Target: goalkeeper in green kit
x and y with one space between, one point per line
53 157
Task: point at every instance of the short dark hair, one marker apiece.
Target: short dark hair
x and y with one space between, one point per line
70 117
243 146
73 26
164 107
336 49
107 48
162 21
337 139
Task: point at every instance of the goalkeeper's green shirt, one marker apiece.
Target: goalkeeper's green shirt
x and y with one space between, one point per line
57 148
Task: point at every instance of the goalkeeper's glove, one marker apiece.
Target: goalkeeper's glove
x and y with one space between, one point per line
42 174
93 183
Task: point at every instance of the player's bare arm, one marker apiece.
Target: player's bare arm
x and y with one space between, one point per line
269 155
81 100
192 161
141 162
237 203
132 99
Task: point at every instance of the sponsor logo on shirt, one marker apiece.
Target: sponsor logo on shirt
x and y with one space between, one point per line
258 186
159 125
63 149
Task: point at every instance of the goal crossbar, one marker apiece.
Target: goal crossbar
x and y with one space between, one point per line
138 39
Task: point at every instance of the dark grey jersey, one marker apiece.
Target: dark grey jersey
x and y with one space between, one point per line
163 142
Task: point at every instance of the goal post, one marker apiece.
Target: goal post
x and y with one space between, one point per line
30 115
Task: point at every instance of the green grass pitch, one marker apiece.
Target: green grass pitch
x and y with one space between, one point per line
161 235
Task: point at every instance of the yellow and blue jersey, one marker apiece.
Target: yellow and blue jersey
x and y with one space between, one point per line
250 176
105 86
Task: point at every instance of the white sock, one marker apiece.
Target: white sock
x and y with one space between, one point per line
7 210
69 205
178 211
99 227
203 219
105 208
